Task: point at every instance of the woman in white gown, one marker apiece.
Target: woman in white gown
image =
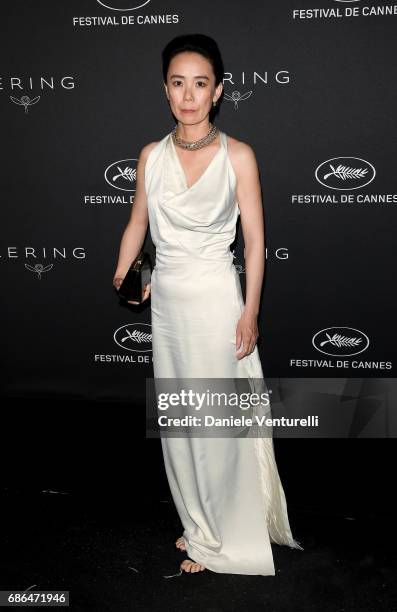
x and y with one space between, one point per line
227 491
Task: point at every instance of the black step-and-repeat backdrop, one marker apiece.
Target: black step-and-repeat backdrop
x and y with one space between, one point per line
311 86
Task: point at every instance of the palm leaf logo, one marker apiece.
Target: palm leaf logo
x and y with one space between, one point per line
345 172
128 174
137 336
339 341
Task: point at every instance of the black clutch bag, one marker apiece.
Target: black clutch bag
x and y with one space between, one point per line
136 278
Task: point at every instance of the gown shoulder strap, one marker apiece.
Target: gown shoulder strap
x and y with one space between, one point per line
223 139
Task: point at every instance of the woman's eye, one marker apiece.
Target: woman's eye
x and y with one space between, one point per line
201 83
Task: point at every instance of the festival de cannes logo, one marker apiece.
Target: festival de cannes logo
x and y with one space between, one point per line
136 337
122 5
340 341
122 174
345 173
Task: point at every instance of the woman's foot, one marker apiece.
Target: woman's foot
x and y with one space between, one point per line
191 566
180 543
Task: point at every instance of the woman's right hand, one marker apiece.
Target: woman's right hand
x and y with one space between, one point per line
117 280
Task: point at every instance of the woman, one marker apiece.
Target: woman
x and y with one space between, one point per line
191 187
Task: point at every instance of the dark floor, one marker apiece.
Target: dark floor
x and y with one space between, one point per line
114 557
85 507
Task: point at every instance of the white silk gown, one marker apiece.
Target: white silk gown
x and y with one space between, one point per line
227 491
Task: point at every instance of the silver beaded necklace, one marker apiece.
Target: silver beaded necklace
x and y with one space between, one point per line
196 144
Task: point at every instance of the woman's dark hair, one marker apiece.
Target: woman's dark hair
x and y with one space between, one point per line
197 43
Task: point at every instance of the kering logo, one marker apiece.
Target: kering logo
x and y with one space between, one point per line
353 172
38 269
340 341
237 97
122 172
25 101
136 337
123 5
42 83
281 76
46 253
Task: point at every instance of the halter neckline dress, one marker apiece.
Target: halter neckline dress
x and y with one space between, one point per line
227 491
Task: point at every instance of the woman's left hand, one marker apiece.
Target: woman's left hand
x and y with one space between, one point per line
246 334
145 293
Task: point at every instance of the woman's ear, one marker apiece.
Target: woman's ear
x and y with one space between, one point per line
166 89
218 90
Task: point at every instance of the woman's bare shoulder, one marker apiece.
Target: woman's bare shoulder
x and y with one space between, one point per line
146 149
241 153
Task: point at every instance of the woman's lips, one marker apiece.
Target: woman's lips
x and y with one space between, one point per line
188 111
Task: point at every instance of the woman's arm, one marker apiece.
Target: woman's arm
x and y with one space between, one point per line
249 198
135 232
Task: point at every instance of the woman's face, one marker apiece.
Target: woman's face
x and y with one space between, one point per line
190 87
